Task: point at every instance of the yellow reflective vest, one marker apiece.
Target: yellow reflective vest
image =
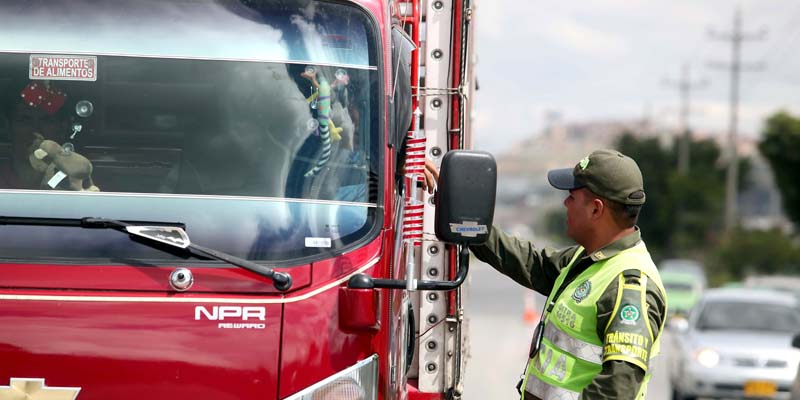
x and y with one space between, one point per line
570 354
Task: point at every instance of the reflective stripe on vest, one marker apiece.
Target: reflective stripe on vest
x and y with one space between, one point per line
578 348
546 392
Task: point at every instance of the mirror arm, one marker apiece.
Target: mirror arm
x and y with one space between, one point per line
363 281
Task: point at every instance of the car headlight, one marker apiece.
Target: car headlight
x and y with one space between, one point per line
359 382
707 358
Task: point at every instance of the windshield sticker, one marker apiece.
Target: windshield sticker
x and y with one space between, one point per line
318 242
65 68
337 42
56 179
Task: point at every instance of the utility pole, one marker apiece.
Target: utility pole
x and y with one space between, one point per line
685 87
736 37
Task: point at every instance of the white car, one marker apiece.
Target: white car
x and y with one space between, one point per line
738 344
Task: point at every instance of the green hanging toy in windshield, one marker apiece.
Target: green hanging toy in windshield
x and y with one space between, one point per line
328 132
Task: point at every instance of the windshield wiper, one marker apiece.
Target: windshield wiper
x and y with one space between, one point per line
171 234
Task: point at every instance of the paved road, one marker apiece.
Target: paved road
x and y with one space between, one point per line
499 339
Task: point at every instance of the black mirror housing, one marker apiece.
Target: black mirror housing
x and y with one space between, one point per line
796 341
466 197
464 211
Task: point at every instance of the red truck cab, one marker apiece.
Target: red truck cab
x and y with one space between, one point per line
186 189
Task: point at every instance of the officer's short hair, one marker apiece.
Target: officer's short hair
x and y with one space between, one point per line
626 215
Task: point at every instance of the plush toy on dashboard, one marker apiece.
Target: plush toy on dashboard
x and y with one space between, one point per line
327 132
57 163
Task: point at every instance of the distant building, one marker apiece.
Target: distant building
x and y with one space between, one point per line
523 194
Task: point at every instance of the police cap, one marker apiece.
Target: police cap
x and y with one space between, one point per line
607 173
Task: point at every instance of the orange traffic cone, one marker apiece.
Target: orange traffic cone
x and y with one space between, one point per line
529 314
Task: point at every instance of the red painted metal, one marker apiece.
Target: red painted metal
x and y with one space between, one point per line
455 121
415 394
412 25
126 350
358 310
120 332
456 103
140 344
315 346
382 341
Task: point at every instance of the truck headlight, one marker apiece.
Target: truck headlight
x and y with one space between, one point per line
359 382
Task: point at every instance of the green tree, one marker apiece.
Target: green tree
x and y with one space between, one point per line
744 253
780 145
682 215
654 162
697 199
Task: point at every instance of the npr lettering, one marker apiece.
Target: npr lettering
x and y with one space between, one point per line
219 313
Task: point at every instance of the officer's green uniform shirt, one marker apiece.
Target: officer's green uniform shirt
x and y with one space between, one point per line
538 269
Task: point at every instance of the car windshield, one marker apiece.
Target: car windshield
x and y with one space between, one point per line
255 124
748 316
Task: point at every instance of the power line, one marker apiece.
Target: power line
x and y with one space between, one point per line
786 37
735 66
685 86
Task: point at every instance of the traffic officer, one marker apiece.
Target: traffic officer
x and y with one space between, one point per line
606 305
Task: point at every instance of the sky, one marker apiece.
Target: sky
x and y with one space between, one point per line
599 60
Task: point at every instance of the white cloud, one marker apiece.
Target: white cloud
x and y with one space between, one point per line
716 116
570 34
604 59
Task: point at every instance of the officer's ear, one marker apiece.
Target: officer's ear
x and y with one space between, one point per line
598 207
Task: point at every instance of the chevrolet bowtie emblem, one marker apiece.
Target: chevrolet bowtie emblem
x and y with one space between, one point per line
34 389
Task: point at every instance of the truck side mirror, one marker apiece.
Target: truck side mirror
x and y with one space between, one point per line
796 341
466 197
464 213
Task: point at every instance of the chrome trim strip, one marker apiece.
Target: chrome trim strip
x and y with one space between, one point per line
220 300
578 348
191 196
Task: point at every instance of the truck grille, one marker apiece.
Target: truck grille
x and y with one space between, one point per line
752 362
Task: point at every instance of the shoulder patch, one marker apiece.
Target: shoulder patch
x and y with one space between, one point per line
628 336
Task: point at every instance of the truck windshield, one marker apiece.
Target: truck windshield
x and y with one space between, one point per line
253 123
